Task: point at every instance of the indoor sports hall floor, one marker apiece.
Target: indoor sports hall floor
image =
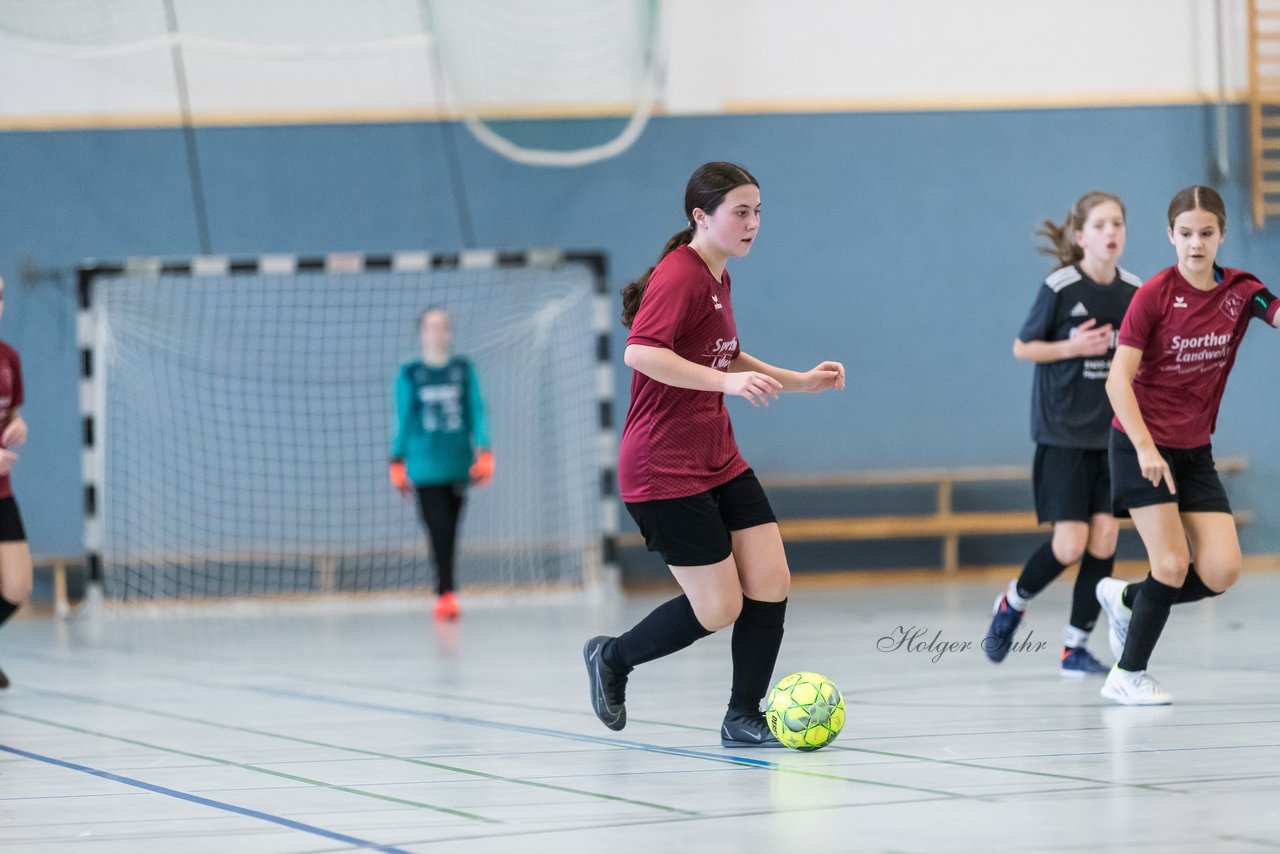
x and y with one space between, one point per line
366 727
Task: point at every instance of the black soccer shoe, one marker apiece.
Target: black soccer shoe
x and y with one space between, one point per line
608 686
1005 620
746 729
4 681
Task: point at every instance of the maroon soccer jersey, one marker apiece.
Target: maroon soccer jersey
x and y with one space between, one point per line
1188 340
679 441
10 397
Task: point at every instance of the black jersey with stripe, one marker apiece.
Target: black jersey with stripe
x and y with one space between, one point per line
1069 406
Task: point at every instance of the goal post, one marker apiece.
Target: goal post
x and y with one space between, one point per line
236 417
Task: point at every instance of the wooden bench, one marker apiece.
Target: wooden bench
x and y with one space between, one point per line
944 523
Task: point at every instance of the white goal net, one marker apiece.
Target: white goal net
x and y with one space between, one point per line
238 414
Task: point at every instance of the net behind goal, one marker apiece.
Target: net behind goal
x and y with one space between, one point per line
238 413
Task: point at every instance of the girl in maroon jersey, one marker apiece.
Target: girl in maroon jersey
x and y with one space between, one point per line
696 501
15 556
1177 345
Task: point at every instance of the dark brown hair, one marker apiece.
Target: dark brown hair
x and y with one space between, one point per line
1062 238
1200 198
707 187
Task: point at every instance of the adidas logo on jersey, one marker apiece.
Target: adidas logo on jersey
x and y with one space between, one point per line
1079 310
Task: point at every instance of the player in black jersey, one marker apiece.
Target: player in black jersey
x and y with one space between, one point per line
1070 335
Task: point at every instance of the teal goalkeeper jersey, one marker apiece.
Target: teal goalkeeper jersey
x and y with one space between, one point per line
439 421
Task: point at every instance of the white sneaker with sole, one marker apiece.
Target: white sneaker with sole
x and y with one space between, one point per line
1134 689
1110 595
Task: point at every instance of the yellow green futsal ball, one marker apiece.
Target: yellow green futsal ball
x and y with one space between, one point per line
805 711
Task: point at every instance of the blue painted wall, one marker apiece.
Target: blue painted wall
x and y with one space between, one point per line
900 243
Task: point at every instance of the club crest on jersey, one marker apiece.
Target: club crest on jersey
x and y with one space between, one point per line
1232 305
1079 310
1179 302
715 300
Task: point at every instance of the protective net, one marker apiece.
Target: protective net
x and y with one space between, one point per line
503 67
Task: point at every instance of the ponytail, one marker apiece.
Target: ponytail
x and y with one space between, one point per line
1062 241
706 189
633 292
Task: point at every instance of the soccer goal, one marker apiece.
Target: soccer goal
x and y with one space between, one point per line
237 415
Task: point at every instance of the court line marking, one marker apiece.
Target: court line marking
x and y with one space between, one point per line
762 763
727 759
960 763
650 822
337 787
203 801
361 751
1229 837
738 760
42 654
747 761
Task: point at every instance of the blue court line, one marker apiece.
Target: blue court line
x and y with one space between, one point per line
207 802
699 754
531 730
315 743
596 739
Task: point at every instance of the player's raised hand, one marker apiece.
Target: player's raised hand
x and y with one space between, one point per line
1091 339
826 376
753 385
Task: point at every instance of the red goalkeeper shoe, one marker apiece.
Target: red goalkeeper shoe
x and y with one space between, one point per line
447 607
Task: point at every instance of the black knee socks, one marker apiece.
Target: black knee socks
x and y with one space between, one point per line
1130 593
1193 590
1041 569
6 609
1150 613
1084 601
757 637
668 628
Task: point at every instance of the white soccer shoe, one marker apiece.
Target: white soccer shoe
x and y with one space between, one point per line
1109 592
1134 689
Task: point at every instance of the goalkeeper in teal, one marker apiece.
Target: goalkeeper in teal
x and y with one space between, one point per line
440 443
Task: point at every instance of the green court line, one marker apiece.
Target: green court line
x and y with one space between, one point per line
709 817
586 715
771 766
1270 843
363 752
981 767
731 760
724 758
254 768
